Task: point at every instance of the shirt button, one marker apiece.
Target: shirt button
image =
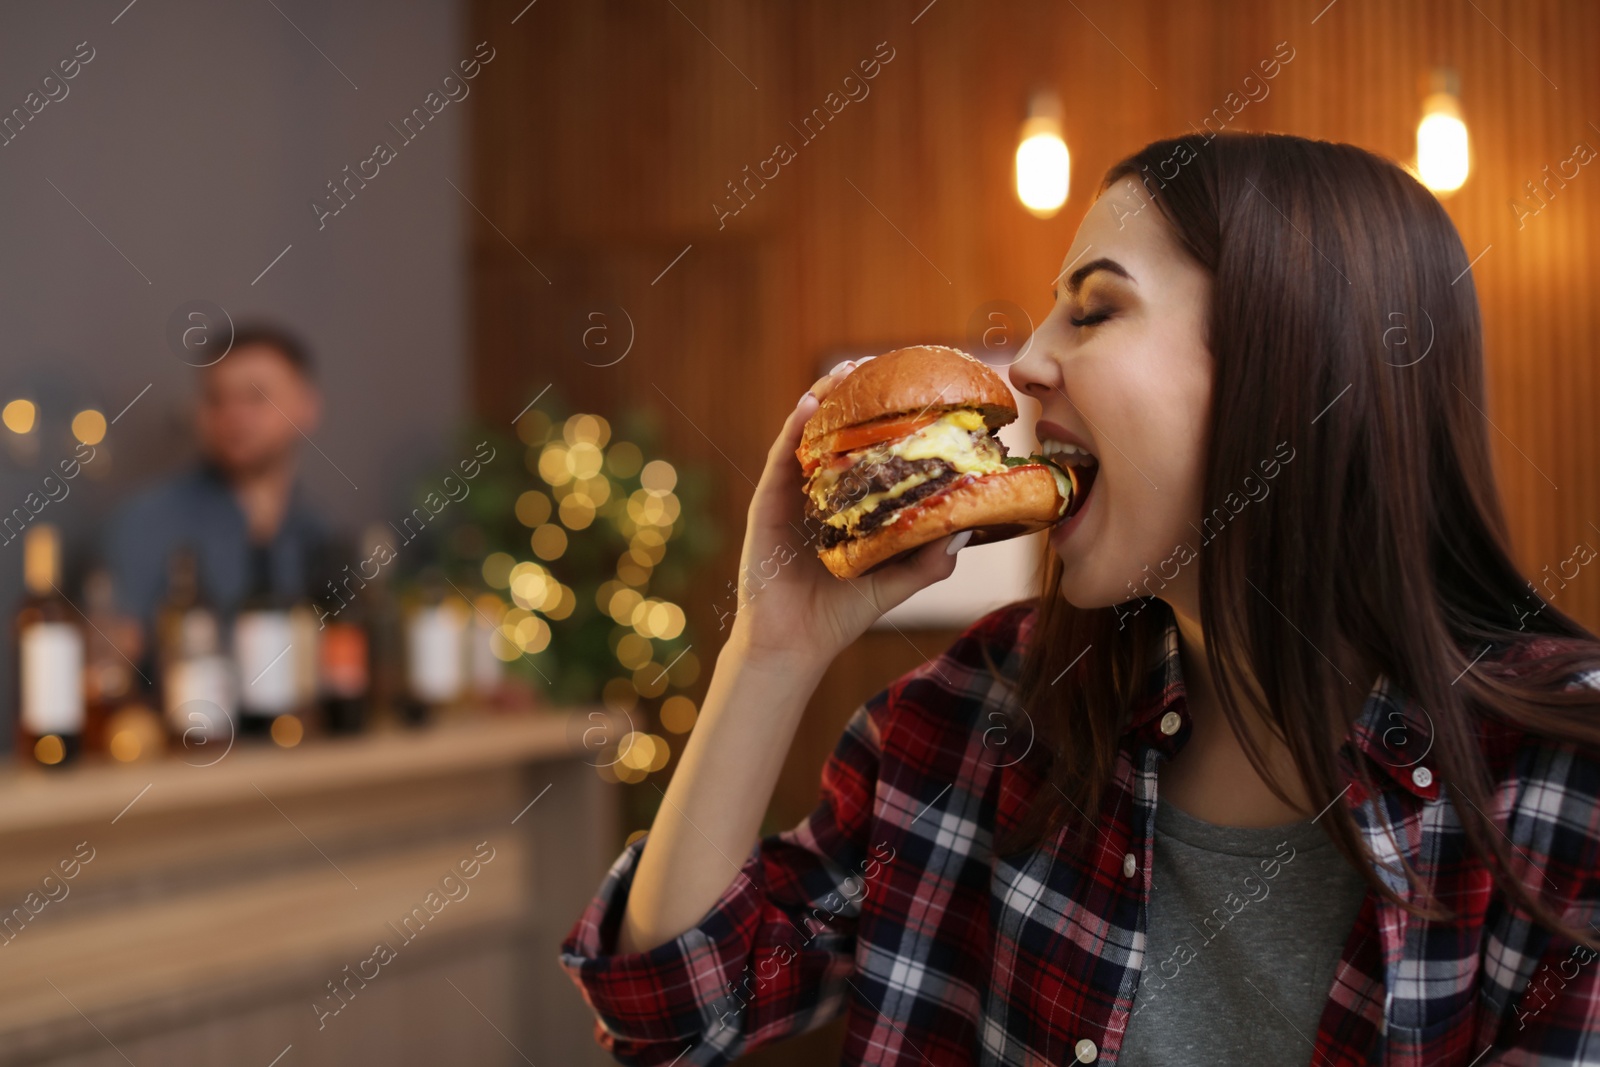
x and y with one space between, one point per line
1171 722
1086 1051
1129 865
1422 777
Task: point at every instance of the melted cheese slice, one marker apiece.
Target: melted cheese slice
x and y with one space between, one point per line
948 438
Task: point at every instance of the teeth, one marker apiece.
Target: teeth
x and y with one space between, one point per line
1069 452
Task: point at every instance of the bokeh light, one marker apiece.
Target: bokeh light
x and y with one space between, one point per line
18 417
659 476
533 428
683 669
577 511
636 750
586 429
631 571
287 730
624 459
620 695
49 750
650 679
678 714
548 541
622 604
565 601
634 651
89 426
497 569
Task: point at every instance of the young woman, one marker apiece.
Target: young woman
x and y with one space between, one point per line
1287 763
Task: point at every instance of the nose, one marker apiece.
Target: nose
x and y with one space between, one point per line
1034 373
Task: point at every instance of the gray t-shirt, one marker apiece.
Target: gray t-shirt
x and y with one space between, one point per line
1244 929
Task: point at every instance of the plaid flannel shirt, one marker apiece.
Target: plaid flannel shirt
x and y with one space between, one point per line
888 902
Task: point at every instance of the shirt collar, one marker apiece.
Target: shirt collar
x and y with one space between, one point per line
1392 731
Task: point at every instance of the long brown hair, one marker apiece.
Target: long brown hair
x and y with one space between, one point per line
1383 543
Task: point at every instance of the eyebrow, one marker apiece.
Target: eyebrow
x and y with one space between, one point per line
1075 281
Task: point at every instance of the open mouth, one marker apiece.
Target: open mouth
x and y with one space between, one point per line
1080 462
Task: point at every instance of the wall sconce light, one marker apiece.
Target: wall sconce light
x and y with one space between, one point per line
1442 154
1044 166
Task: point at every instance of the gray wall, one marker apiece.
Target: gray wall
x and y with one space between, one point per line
194 141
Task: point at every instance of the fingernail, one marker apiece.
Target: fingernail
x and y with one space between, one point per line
804 396
958 542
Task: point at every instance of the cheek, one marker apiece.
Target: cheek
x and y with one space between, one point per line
1149 410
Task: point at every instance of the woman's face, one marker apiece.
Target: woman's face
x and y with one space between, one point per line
1132 386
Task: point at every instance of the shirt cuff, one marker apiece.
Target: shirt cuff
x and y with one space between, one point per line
671 992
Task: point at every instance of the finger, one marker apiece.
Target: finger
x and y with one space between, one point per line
788 439
840 371
783 467
931 563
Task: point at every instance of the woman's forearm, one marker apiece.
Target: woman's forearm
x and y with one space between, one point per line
711 813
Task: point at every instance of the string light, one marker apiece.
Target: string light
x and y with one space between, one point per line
586 479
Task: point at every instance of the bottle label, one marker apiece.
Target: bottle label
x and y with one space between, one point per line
435 641
343 656
52 678
200 697
263 646
197 633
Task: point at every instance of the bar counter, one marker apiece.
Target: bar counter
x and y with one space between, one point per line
393 898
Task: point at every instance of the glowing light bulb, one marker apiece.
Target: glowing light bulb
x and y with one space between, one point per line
1442 150
1043 164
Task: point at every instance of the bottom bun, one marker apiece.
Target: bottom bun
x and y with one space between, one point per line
994 507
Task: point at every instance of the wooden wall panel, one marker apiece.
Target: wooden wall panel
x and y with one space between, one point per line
615 126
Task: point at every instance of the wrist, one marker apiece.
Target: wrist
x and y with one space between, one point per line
795 662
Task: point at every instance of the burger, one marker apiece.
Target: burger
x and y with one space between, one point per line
904 451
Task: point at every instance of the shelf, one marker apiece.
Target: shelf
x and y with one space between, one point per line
34 798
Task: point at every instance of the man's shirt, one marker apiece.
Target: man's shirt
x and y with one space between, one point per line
199 510
888 903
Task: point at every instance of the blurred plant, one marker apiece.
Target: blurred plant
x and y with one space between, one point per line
579 542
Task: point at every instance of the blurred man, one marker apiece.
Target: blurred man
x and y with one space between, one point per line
242 509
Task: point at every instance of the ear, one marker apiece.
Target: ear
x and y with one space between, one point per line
311 408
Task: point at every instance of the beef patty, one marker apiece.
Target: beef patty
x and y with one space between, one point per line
875 476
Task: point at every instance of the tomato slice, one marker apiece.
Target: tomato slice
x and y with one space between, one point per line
832 451
853 437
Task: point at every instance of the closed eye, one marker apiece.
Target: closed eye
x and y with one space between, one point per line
1090 320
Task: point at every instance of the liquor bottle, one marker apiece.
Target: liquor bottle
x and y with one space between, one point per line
114 645
50 649
265 656
385 626
435 649
199 693
344 648
485 670
120 718
304 646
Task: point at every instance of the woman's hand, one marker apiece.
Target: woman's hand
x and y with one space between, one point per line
790 606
